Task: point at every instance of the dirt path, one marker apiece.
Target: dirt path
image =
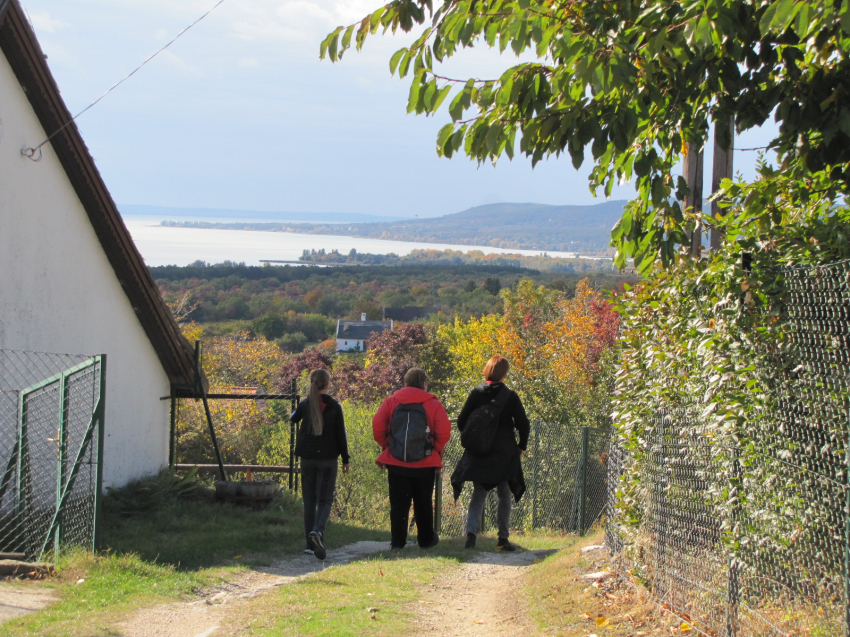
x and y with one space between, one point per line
17 600
204 615
481 599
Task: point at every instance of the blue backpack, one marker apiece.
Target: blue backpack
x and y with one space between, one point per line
410 436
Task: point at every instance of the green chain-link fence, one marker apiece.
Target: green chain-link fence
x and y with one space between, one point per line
565 473
753 539
51 419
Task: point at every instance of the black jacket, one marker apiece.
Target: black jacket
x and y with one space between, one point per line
503 462
333 442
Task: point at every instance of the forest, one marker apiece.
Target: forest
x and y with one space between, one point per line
540 261
296 305
560 345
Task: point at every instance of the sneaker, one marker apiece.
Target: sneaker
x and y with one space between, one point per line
433 543
318 546
470 541
393 547
308 550
504 545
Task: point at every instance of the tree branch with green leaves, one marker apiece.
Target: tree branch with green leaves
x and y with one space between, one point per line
636 83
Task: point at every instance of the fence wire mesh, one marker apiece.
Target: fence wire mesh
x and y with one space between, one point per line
753 540
49 450
565 472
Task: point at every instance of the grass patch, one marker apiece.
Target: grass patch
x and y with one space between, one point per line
94 589
166 538
337 601
373 597
177 522
162 539
566 604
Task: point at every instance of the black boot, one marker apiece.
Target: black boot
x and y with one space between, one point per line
470 541
504 545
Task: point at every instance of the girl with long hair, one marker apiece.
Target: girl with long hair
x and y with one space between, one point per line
321 441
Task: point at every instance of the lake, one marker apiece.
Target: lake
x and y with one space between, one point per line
181 246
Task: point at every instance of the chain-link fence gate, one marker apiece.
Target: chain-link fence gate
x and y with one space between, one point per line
774 562
565 472
51 436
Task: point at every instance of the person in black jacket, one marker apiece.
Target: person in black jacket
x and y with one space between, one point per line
501 468
321 441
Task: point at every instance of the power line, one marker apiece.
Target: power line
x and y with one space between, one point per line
31 152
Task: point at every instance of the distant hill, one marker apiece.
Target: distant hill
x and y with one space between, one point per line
527 226
519 226
170 212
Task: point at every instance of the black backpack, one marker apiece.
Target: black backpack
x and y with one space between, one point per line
480 430
410 436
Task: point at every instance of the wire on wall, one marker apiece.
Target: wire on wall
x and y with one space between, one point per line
35 153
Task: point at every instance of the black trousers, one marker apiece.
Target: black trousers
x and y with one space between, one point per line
408 485
318 482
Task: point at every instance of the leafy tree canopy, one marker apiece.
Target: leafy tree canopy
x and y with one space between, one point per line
637 82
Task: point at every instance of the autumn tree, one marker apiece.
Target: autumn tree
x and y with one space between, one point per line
558 346
232 363
636 84
307 361
388 357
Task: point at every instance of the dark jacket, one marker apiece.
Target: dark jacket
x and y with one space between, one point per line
333 442
503 462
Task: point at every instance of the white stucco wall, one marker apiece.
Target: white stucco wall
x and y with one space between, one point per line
350 345
58 292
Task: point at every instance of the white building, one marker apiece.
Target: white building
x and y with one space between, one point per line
71 279
351 336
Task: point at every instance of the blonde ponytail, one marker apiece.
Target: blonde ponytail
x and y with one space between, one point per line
319 380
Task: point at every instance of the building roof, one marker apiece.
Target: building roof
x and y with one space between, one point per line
20 46
361 330
409 312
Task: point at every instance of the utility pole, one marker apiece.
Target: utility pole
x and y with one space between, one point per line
692 167
722 169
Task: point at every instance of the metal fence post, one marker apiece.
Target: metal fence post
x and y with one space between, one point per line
291 454
293 391
203 393
438 501
62 448
582 512
101 430
847 539
536 460
22 467
733 593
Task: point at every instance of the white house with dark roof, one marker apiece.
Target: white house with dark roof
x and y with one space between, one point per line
351 336
71 278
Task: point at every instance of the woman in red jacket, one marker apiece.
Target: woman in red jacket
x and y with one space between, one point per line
412 428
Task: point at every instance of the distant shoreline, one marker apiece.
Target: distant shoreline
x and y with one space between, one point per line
350 231
163 245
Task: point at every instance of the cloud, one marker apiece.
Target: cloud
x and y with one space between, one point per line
42 21
297 20
292 21
251 63
177 62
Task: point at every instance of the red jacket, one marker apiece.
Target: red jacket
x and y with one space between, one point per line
438 421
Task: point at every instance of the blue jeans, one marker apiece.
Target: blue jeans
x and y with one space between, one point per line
503 512
318 483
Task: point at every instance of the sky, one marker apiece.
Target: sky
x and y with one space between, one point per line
240 113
